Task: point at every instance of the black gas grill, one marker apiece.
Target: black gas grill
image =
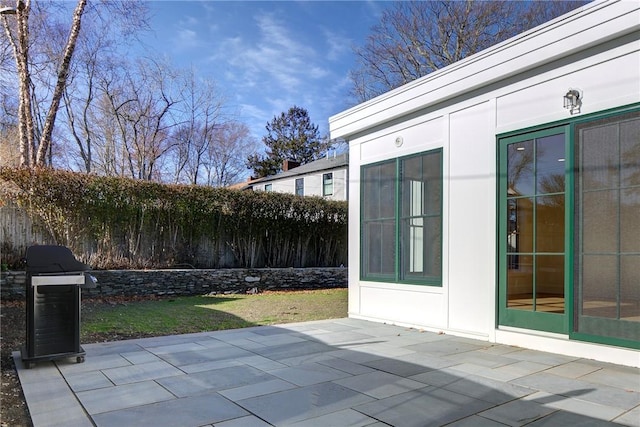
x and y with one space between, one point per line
54 279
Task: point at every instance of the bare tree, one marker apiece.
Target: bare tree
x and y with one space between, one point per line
200 111
32 153
9 155
44 43
63 72
106 156
140 103
78 103
226 158
96 52
415 38
18 36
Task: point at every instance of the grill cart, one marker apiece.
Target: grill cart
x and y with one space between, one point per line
54 280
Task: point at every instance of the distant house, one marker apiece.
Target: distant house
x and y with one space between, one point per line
326 177
499 197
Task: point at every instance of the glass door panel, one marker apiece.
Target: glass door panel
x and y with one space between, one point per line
607 218
550 223
629 288
550 284
533 261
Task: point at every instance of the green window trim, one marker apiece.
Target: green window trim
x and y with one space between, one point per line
401 220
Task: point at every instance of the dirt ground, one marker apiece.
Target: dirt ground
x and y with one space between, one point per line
13 408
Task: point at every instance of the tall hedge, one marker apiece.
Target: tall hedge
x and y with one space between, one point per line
124 223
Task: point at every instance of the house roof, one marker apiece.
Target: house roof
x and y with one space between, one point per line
335 161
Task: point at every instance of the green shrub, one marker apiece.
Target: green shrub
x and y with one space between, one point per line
125 223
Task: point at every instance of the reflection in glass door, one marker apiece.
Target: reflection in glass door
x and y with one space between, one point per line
533 236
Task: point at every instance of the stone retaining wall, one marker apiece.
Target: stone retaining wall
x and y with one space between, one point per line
191 282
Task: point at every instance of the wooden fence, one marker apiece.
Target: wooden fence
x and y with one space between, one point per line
17 232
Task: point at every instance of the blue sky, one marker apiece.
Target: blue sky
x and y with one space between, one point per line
267 56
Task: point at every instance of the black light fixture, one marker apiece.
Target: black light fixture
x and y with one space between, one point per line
573 100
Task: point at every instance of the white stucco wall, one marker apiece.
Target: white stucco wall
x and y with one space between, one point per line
461 109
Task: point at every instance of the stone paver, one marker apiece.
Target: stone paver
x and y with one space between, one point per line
342 372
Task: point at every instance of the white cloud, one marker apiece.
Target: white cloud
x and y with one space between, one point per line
271 62
277 60
187 39
256 117
339 45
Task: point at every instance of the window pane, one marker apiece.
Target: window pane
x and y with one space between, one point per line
630 220
630 152
550 283
630 287
379 191
412 168
600 221
432 165
550 224
370 193
520 159
415 240
599 159
327 184
520 237
300 186
550 159
379 248
433 247
421 216
599 283
412 187
520 284
422 247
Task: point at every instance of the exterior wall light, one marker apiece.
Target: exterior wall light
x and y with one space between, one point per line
573 100
398 141
8 10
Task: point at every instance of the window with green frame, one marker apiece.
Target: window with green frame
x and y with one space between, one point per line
401 221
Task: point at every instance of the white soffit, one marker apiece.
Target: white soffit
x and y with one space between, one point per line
593 24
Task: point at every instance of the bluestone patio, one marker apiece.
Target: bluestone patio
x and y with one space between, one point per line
342 372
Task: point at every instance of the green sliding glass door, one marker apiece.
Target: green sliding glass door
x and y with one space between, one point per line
607 229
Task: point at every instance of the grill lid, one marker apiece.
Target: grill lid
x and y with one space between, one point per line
52 259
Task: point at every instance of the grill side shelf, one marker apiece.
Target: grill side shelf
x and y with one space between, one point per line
76 279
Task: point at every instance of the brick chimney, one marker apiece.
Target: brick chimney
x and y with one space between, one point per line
289 164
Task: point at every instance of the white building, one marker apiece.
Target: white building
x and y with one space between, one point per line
499 198
326 177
